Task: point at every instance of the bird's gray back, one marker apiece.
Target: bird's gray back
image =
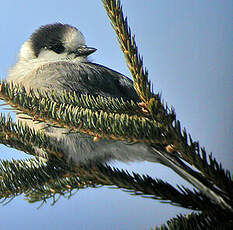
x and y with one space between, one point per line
84 78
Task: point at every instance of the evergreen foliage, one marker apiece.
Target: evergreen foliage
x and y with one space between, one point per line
119 120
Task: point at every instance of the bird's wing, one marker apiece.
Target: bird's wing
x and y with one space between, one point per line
85 78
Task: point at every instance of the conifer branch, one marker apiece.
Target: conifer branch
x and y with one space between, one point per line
177 139
42 181
129 48
25 139
95 103
77 119
197 157
30 104
119 120
142 84
111 126
154 188
197 221
33 177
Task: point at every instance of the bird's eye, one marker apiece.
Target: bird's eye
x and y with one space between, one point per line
58 48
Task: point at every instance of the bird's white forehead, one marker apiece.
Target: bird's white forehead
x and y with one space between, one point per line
73 38
26 52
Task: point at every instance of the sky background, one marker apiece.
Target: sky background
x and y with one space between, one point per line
187 48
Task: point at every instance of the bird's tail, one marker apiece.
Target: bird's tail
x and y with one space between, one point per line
190 175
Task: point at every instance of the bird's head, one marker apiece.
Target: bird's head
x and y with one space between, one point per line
54 42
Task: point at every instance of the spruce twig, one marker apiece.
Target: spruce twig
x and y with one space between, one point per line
41 181
103 124
196 221
25 139
94 116
177 139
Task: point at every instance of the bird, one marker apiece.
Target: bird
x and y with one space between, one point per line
56 58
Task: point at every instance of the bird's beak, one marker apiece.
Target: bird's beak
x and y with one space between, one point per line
85 51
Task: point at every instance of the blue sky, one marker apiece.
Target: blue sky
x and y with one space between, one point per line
187 48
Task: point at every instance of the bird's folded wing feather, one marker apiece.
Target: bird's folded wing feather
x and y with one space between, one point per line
84 78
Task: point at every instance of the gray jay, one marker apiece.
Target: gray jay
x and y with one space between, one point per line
55 58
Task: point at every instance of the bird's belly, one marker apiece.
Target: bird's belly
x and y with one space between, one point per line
82 149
